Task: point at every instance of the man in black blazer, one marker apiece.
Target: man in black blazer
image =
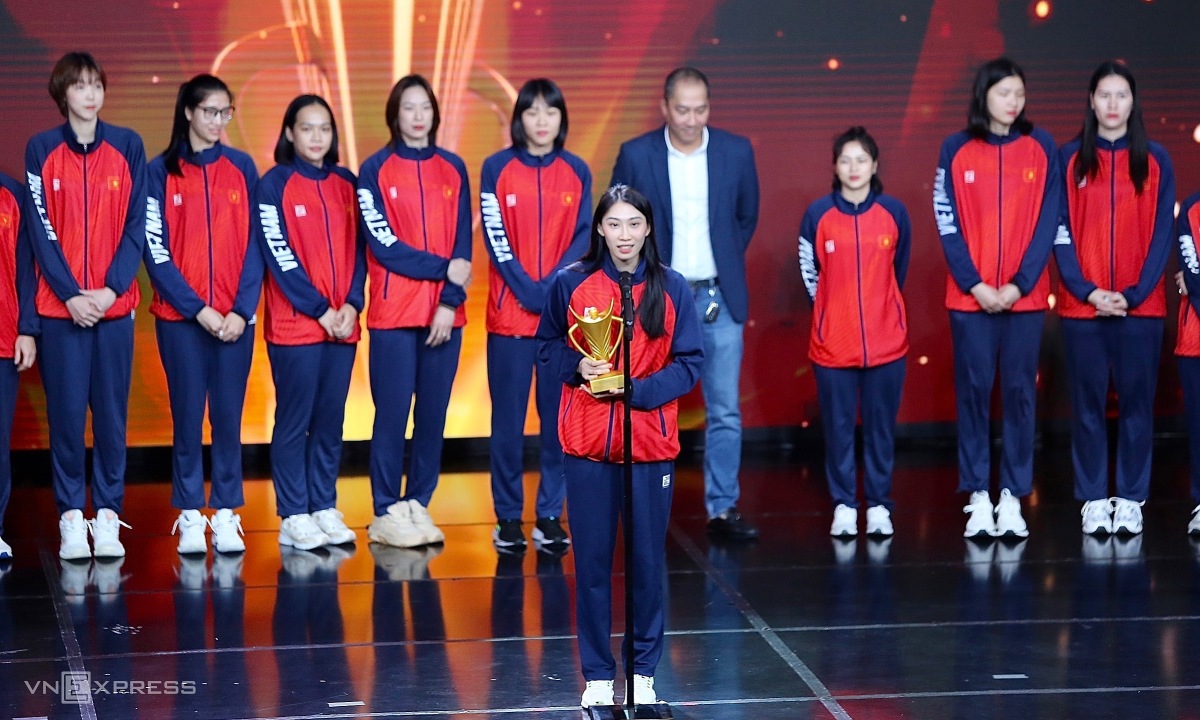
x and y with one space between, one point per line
703 187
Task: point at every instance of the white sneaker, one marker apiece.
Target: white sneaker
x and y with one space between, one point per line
5 550
643 690
1127 516
845 521
879 521
1194 525
299 531
420 518
1097 517
981 522
331 523
1008 517
106 530
73 541
597 692
227 531
190 525
395 527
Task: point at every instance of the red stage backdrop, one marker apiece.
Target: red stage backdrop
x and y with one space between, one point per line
790 75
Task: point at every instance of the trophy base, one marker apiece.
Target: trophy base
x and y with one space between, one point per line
606 382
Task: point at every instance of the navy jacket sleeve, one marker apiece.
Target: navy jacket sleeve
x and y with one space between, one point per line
583 221
555 355
747 197
356 296
43 237
396 256
687 354
164 274
124 266
245 303
1189 262
529 294
810 267
903 242
26 280
1069 270
945 211
271 236
1160 242
1033 263
454 295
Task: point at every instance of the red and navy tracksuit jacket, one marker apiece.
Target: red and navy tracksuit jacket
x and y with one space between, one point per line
18 316
87 215
416 215
198 251
1187 341
983 194
854 259
1110 236
536 215
306 226
663 369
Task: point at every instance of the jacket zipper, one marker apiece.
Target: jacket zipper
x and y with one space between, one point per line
329 239
541 270
87 280
999 215
208 222
1112 222
862 315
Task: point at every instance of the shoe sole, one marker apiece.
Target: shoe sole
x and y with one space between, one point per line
843 534
82 554
539 538
289 542
376 537
113 554
878 532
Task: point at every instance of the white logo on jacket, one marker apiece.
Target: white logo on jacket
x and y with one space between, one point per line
56 184
178 199
510 199
392 192
301 211
968 176
943 211
1187 248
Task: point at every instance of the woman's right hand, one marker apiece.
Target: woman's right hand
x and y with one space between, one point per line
329 322
211 320
459 272
1108 303
988 298
590 369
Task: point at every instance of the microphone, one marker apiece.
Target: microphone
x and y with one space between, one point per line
626 283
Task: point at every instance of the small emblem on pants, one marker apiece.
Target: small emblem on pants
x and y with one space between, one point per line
667 480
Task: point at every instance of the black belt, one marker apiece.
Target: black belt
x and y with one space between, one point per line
703 284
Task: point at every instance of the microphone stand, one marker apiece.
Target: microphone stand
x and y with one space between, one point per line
658 710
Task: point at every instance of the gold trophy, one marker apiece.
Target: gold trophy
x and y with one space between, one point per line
596 329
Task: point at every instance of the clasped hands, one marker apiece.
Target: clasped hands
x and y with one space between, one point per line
996 300
227 328
88 307
339 324
589 370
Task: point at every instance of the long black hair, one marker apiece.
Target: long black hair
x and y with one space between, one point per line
1087 165
191 94
391 111
978 119
652 309
285 150
857 134
529 93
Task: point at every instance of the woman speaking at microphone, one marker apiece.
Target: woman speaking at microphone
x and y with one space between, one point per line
667 351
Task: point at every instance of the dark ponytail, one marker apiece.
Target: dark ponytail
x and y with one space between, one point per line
191 94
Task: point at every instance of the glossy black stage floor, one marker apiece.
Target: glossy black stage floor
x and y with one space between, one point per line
926 625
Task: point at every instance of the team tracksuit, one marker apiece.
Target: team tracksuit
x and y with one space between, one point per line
1113 238
1187 342
18 284
86 214
592 435
199 254
416 215
854 258
536 213
307 229
995 202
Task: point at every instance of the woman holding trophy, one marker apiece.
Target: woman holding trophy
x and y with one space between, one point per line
667 351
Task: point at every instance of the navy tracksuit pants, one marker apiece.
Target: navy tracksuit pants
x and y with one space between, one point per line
311 384
510 366
87 368
1189 378
202 369
1127 350
595 491
407 374
840 391
8 408
983 342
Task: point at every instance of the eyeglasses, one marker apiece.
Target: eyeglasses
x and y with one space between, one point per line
225 114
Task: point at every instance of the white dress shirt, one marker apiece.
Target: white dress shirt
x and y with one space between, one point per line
691 249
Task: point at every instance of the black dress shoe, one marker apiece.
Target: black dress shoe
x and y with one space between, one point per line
731 526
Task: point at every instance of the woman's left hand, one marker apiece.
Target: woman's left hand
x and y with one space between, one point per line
441 327
232 327
347 318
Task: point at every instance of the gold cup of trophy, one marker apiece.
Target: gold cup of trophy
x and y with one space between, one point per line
598 343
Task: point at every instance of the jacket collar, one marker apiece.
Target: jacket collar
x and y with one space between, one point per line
204 157
532 160
1120 143
850 208
412 153
610 269
303 169
75 145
